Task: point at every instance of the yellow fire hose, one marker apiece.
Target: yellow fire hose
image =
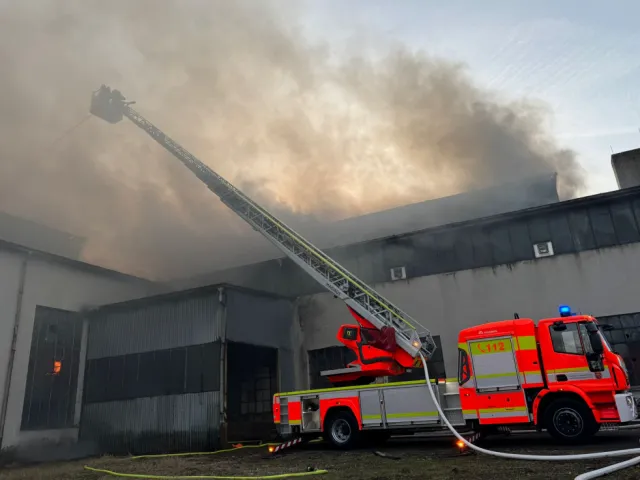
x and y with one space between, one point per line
218 477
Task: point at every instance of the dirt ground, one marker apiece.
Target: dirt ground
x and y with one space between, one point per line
407 459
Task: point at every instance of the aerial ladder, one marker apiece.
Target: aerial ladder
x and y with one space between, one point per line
385 340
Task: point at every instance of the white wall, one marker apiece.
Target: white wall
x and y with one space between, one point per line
598 282
9 284
54 285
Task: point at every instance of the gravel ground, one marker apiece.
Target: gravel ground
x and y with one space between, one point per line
407 459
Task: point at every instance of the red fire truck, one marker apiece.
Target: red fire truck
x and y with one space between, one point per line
560 375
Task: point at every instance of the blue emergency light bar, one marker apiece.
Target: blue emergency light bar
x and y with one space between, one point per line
565 310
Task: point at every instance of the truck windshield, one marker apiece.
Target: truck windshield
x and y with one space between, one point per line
574 339
606 343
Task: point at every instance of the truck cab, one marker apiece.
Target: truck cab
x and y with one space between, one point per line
559 374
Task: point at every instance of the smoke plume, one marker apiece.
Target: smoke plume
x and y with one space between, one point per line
303 130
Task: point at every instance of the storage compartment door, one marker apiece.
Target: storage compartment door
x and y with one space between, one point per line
494 364
371 408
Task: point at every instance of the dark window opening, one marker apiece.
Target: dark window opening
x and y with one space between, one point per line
52 377
330 358
252 381
174 371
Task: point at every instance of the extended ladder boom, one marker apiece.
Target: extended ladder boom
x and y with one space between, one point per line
366 302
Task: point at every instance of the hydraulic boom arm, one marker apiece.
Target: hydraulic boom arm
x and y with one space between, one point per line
382 327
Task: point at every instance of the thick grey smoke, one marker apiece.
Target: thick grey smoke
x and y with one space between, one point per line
236 82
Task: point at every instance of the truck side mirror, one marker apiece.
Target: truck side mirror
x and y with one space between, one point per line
596 342
594 338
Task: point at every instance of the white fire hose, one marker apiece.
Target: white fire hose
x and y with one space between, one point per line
517 456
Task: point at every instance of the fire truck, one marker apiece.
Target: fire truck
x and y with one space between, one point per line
560 374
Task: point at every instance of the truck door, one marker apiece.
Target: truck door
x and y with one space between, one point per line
573 359
494 364
499 394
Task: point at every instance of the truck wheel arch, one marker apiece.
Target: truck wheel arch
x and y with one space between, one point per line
343 417
546 397
328 407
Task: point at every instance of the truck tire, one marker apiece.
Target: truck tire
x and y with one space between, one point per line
569 421
341 430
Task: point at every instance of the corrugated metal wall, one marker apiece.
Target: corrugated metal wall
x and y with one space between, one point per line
154 424
153 374
624 338
153 368
138 327
590 223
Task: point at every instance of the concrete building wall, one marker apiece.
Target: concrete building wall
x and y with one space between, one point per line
626 167
600 282
64 285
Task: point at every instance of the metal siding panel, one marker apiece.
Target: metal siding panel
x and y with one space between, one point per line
167 324
154 424
521 243
581 230
539 229
602 223
443 260
426 256
624 222
501 244
397 252
482 255
635 206
561 234
259 320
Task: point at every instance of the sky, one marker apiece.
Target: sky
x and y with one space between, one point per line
580 58
320 110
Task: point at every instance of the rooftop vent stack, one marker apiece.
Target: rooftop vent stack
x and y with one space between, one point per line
626 168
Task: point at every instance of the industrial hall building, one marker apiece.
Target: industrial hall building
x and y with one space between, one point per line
95 357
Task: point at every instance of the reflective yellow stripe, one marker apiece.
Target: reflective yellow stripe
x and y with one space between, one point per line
412 414
356 388
527 343
498 410
294 422
490 347
497 375
463 346
569 370
400 415
372 417
469 412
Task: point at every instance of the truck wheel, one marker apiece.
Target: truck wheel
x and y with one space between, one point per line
569 421
341 430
